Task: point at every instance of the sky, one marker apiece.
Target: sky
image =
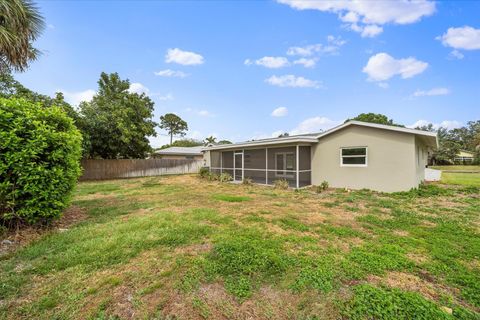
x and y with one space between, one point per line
241 70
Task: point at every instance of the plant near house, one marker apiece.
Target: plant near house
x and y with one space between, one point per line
281 184
204 172
324 185
247 181
225 177
39 166
213 177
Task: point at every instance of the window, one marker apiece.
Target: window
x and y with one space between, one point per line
353 157
284 164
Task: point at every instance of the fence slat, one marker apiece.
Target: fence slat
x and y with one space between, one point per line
130 168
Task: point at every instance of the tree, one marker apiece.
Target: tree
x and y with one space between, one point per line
184 143
174 125
20 25
39 166
117 123
210 140
375 118
224 142
285 134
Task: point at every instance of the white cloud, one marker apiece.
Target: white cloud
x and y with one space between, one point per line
432 92
331 47
290 80
448 124
50 26
455 54
371 31
307 63
382 66
166 97
74 98
383 85
201 113
466 38
137 87
186 58
366 17
171 73
280 112
269 62
315 124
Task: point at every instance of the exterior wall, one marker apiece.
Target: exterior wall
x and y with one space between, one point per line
421 160
390 166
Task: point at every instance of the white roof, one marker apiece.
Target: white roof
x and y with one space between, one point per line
189 151
429 137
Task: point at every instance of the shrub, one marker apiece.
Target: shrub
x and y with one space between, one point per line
213 177
225 177
281 184
322 187
247 181
39 166
204 172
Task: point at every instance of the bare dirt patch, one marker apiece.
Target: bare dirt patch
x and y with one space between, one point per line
23 235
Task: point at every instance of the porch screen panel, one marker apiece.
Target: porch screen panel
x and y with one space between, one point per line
305 175
282 165
215 162
254 162
227 162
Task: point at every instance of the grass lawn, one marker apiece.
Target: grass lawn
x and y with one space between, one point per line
457 168
467 179
182 248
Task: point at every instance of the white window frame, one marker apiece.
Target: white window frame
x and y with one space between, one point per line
354 156
287 173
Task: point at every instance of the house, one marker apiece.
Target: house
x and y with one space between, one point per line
464 157
354 155
178 153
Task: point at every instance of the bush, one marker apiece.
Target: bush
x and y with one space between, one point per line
213 176
281 184
39 166
204 172
225 177
322 187
247 181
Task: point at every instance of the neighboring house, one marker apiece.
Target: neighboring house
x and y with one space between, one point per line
179 153
464 157
354 155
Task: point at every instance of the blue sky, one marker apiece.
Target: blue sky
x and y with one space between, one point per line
225 67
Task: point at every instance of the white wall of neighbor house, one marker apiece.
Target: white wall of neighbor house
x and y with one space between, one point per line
391 160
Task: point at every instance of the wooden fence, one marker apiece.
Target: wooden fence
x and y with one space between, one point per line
130 168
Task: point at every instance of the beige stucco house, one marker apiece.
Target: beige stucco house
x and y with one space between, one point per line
353 155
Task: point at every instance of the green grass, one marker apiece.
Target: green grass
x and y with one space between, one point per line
457 168
230 198
466 179
175 246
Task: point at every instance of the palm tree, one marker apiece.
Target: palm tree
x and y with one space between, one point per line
210 140
20 25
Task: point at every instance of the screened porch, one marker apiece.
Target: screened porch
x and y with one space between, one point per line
265 165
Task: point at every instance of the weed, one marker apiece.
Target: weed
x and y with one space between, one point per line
281 184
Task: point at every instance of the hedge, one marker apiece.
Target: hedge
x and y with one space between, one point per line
40 149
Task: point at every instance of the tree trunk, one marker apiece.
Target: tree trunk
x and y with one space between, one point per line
171 138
